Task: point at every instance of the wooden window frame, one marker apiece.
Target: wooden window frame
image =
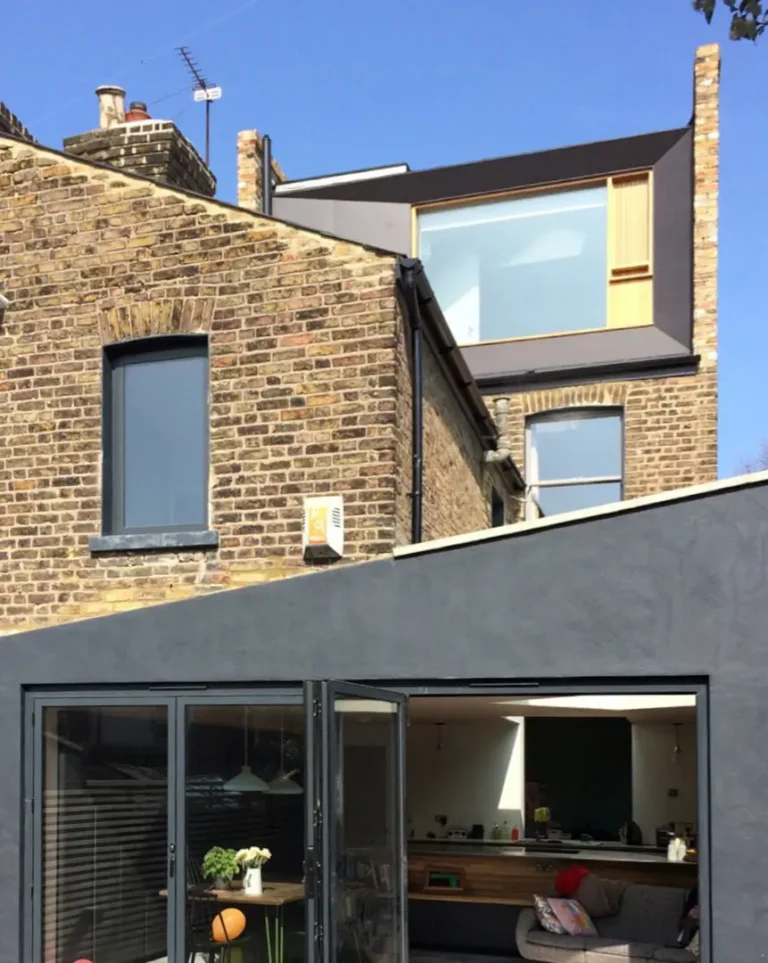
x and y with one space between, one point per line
640 274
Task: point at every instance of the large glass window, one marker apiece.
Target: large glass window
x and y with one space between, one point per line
526 265
156 433
574 459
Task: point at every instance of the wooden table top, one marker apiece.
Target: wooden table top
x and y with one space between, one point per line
473 898
275 894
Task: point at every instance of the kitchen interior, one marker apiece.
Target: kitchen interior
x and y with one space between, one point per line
504 792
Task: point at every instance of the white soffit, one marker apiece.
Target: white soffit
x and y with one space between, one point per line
311 183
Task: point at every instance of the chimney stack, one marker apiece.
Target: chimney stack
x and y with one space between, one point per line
250 182
706 171
136 143
111 106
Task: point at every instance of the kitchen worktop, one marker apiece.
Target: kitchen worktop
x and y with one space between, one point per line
569 850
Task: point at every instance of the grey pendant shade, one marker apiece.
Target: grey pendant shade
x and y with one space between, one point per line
282 784
246 780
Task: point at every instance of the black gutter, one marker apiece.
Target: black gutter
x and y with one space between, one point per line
408 272
423 310
664 366
266 175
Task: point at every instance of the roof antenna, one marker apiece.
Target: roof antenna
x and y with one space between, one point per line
201 91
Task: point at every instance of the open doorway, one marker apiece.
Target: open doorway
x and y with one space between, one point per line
506 793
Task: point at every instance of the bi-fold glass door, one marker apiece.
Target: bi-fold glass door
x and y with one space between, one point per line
128 793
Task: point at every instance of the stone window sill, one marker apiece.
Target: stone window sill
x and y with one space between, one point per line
153 542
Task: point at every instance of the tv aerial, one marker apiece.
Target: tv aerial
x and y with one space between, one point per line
202 92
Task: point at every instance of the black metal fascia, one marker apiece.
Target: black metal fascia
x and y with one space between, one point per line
664 366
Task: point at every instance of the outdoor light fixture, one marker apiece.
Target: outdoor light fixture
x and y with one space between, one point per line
246 780
282 784
4 302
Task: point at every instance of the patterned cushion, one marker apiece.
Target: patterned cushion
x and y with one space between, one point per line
573 917
546 917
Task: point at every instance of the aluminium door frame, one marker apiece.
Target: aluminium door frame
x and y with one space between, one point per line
175 699
330 766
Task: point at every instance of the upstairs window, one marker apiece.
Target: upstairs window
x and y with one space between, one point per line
542 263
574 459
156 436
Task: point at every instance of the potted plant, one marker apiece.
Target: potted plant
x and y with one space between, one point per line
221 866
253 859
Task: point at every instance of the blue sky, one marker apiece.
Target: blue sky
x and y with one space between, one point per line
341 85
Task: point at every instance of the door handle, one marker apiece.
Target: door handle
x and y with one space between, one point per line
172 860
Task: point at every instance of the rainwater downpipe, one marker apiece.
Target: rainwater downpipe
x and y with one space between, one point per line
417 405
266 175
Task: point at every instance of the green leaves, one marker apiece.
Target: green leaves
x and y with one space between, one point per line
220 862
749 18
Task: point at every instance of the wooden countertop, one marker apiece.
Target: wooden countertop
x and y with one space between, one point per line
574 854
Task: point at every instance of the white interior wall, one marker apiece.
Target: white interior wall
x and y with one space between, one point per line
478 776
656 770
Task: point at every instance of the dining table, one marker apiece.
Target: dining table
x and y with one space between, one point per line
273 899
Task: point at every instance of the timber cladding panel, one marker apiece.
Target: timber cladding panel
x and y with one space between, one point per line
302 331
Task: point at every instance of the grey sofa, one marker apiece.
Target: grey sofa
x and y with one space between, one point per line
644 931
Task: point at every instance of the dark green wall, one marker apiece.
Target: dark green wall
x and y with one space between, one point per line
584 769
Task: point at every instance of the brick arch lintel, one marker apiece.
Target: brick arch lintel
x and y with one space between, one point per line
130 319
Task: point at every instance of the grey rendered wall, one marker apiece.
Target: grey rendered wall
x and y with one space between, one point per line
678 590
379 224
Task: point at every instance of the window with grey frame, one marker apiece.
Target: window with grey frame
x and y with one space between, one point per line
155 425
574 459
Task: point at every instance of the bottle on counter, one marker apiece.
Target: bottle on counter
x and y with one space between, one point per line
515 834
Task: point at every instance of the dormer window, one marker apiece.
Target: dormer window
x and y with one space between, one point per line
542 263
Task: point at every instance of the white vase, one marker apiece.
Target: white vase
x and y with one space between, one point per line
252 883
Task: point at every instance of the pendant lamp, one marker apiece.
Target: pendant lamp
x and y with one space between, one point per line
246 780
282 784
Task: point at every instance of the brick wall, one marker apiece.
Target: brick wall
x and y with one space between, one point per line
457 482
10 124
309 388
249 174
302 333
154 148
670 423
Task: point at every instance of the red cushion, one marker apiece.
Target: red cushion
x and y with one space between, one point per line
569 880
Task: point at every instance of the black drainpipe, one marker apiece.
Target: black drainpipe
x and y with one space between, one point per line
266 175
409 267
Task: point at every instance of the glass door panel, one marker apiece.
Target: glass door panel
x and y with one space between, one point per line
103 827
365 825
243 779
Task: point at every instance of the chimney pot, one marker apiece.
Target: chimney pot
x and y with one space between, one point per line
137 111
111 105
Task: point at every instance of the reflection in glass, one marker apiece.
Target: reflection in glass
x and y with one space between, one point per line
165 417
571 498
582 445
522 266
105 835
220 741
367 897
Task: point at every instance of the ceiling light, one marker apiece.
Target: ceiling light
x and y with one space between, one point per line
607 703
246 780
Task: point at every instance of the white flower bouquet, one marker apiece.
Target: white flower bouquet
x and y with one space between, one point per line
253 857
